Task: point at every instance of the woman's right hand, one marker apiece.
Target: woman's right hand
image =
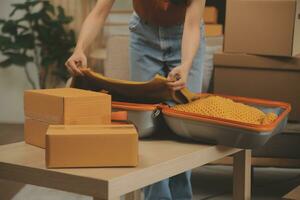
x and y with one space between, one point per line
76 61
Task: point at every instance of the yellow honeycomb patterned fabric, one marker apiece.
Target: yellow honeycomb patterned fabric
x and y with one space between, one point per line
225 108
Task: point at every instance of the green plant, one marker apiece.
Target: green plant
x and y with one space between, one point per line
39 36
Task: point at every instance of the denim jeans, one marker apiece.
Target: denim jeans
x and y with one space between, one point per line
156 50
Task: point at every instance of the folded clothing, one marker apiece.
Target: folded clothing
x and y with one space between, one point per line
225 108
153 91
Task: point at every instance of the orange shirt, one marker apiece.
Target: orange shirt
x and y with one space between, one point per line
160 12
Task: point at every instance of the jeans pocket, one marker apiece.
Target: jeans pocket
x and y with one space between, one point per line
134 22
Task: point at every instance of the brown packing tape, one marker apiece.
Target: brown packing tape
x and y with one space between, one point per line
91 146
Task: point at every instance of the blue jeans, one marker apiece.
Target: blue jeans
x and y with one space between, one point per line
156 50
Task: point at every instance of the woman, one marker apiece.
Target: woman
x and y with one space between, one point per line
167 38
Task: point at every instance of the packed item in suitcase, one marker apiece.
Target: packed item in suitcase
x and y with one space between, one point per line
154 91
228 127
225 108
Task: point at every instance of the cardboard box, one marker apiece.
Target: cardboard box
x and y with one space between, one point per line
212 30
263 27
293 195
91 146
35 132
210 15
259 77
68 106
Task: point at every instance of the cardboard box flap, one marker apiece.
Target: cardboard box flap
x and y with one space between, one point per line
254 61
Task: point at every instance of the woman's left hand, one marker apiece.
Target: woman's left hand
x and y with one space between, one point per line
177 78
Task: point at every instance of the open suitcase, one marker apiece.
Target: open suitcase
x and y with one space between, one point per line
139 99
150 118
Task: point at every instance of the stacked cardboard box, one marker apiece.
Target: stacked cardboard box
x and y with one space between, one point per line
261 41
74 126
210 17
62 106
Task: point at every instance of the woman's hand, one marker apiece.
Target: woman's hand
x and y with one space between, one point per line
77 60
177 78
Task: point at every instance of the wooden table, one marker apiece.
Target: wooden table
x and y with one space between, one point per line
159 159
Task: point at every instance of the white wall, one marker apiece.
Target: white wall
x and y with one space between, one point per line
12 82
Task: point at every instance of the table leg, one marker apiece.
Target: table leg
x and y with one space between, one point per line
242 175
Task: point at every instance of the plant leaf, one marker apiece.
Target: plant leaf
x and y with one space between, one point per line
6 63
32 2
20 6
62 17
44 33
49 7
47 61
33 16
18 59
46 18
13 12
25 41
5 42
9 27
